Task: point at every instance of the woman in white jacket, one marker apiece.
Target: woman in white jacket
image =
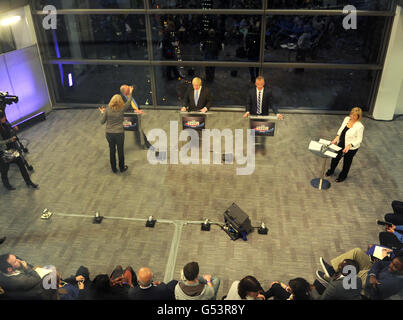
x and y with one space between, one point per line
349 138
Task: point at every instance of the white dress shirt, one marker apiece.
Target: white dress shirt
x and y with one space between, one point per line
194 96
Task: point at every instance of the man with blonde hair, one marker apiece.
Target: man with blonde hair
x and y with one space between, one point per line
197 97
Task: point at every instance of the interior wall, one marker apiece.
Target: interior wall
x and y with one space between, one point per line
390 94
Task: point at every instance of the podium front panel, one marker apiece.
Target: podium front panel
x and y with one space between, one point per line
262 127
194 122
131 122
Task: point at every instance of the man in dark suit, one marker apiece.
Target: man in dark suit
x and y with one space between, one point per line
197 98
254 106
259 103
149 290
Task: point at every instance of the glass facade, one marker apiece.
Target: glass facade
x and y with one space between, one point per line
307 56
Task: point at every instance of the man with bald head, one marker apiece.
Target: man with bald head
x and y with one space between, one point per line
148 289
197 97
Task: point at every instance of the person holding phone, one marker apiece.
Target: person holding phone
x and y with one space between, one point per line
349 138
392 237
113 116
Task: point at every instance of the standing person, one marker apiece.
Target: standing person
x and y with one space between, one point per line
7 143
125 91
197 98
349 138
115 135
260 100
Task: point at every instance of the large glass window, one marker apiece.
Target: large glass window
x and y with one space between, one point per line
320 88
205 4
329 4
322 39
206 37
97 37
227 86
96 84
91 4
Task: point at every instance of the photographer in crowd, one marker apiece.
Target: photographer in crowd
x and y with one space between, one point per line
7 156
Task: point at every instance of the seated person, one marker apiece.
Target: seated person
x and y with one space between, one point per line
246 289
197 97
397 216
148 289
75 287
334 288
194 287
365 264
20 281
297 289
385 279
392 237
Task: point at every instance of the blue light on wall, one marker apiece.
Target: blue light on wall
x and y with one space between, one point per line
21 75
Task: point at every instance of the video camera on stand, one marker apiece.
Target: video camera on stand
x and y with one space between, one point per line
6 99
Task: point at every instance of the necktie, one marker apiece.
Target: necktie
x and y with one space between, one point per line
134 105
196 97
259 106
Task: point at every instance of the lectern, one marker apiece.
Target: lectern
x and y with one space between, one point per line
132 122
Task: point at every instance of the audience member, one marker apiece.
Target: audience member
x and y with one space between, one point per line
194 287
392 237
246 289
335 287
20 281
148 289
396 217
297 289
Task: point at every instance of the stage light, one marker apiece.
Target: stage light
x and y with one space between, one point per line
70 77
46 214
10 20
205 226
150 222
97 219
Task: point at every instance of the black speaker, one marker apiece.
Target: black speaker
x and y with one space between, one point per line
237 219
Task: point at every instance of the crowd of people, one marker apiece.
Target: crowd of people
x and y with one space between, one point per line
353 275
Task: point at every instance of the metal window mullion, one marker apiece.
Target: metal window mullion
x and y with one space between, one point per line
150 54
262 38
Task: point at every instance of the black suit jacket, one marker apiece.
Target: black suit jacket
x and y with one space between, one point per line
267 102
160 292
204 99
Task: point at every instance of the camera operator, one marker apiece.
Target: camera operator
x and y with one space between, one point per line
7 143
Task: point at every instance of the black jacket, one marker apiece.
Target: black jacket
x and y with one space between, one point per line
160 292
267 102
204 99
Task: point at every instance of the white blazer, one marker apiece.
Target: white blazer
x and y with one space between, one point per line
354 134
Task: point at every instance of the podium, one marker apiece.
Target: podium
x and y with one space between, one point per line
323 151
132 122
193 120
263 125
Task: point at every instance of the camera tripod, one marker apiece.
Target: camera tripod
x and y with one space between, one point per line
22 149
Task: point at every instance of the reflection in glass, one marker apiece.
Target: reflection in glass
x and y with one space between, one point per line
206 37
322 39
227 89
7 42
320 88
90 4
205 4
98 83
329 4
97 37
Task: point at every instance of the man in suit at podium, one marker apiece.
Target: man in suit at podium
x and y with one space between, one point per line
260 100
259 103
197 97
